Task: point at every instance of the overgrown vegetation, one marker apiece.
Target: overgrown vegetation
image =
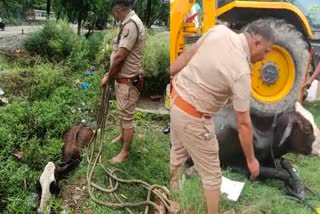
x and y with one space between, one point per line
58 43
33 124
46 97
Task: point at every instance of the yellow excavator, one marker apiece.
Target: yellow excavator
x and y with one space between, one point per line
280 79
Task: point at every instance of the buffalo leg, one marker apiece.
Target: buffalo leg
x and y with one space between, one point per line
294 186
265 173
287 165
274 173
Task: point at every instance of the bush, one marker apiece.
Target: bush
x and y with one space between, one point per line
54 40
156 58
94 42
156 63
46 81
103 56
59 43
16 82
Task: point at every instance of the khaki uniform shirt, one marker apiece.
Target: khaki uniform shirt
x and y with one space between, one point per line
131 38
219 70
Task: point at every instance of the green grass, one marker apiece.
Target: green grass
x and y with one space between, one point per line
45 101
267 197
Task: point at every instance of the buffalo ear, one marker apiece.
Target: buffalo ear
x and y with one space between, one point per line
288 129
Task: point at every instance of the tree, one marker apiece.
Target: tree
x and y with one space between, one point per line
100 10
150 10
77 9
48 8
14 10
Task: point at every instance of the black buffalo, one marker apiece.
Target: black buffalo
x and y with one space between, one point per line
274 135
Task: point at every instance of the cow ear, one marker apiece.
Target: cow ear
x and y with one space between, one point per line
54 188
39 190
288 129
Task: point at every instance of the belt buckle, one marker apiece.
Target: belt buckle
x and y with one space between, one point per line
206 116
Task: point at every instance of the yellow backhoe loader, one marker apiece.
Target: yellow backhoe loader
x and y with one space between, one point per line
279 80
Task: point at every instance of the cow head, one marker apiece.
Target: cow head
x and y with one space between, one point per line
75 139
48 185
316 132
49 180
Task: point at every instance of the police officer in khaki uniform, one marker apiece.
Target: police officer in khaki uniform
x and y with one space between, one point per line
125 67
217 68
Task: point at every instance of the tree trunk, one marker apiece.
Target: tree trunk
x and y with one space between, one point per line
48 8
156 17
148 12
79 23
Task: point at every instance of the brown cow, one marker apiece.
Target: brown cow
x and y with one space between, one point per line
76 139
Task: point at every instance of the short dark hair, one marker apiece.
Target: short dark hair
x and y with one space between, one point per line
262 28
123 3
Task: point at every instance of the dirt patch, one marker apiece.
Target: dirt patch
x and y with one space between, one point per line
145 104
12 43
75 197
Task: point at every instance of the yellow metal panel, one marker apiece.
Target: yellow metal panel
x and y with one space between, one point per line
178 11
209 15
268 5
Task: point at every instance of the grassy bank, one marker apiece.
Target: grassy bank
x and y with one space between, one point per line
46 97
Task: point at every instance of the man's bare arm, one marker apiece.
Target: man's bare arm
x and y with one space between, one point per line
117 63
183 59
246 141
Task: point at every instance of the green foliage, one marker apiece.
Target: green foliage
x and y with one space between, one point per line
157 11
105 50
94 42
314 108
54 40
58 43
156 63
13 11
16 82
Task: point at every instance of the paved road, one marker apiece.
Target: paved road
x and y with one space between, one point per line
15 30
12 39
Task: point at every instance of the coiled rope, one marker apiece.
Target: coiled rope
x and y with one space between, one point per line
94 159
